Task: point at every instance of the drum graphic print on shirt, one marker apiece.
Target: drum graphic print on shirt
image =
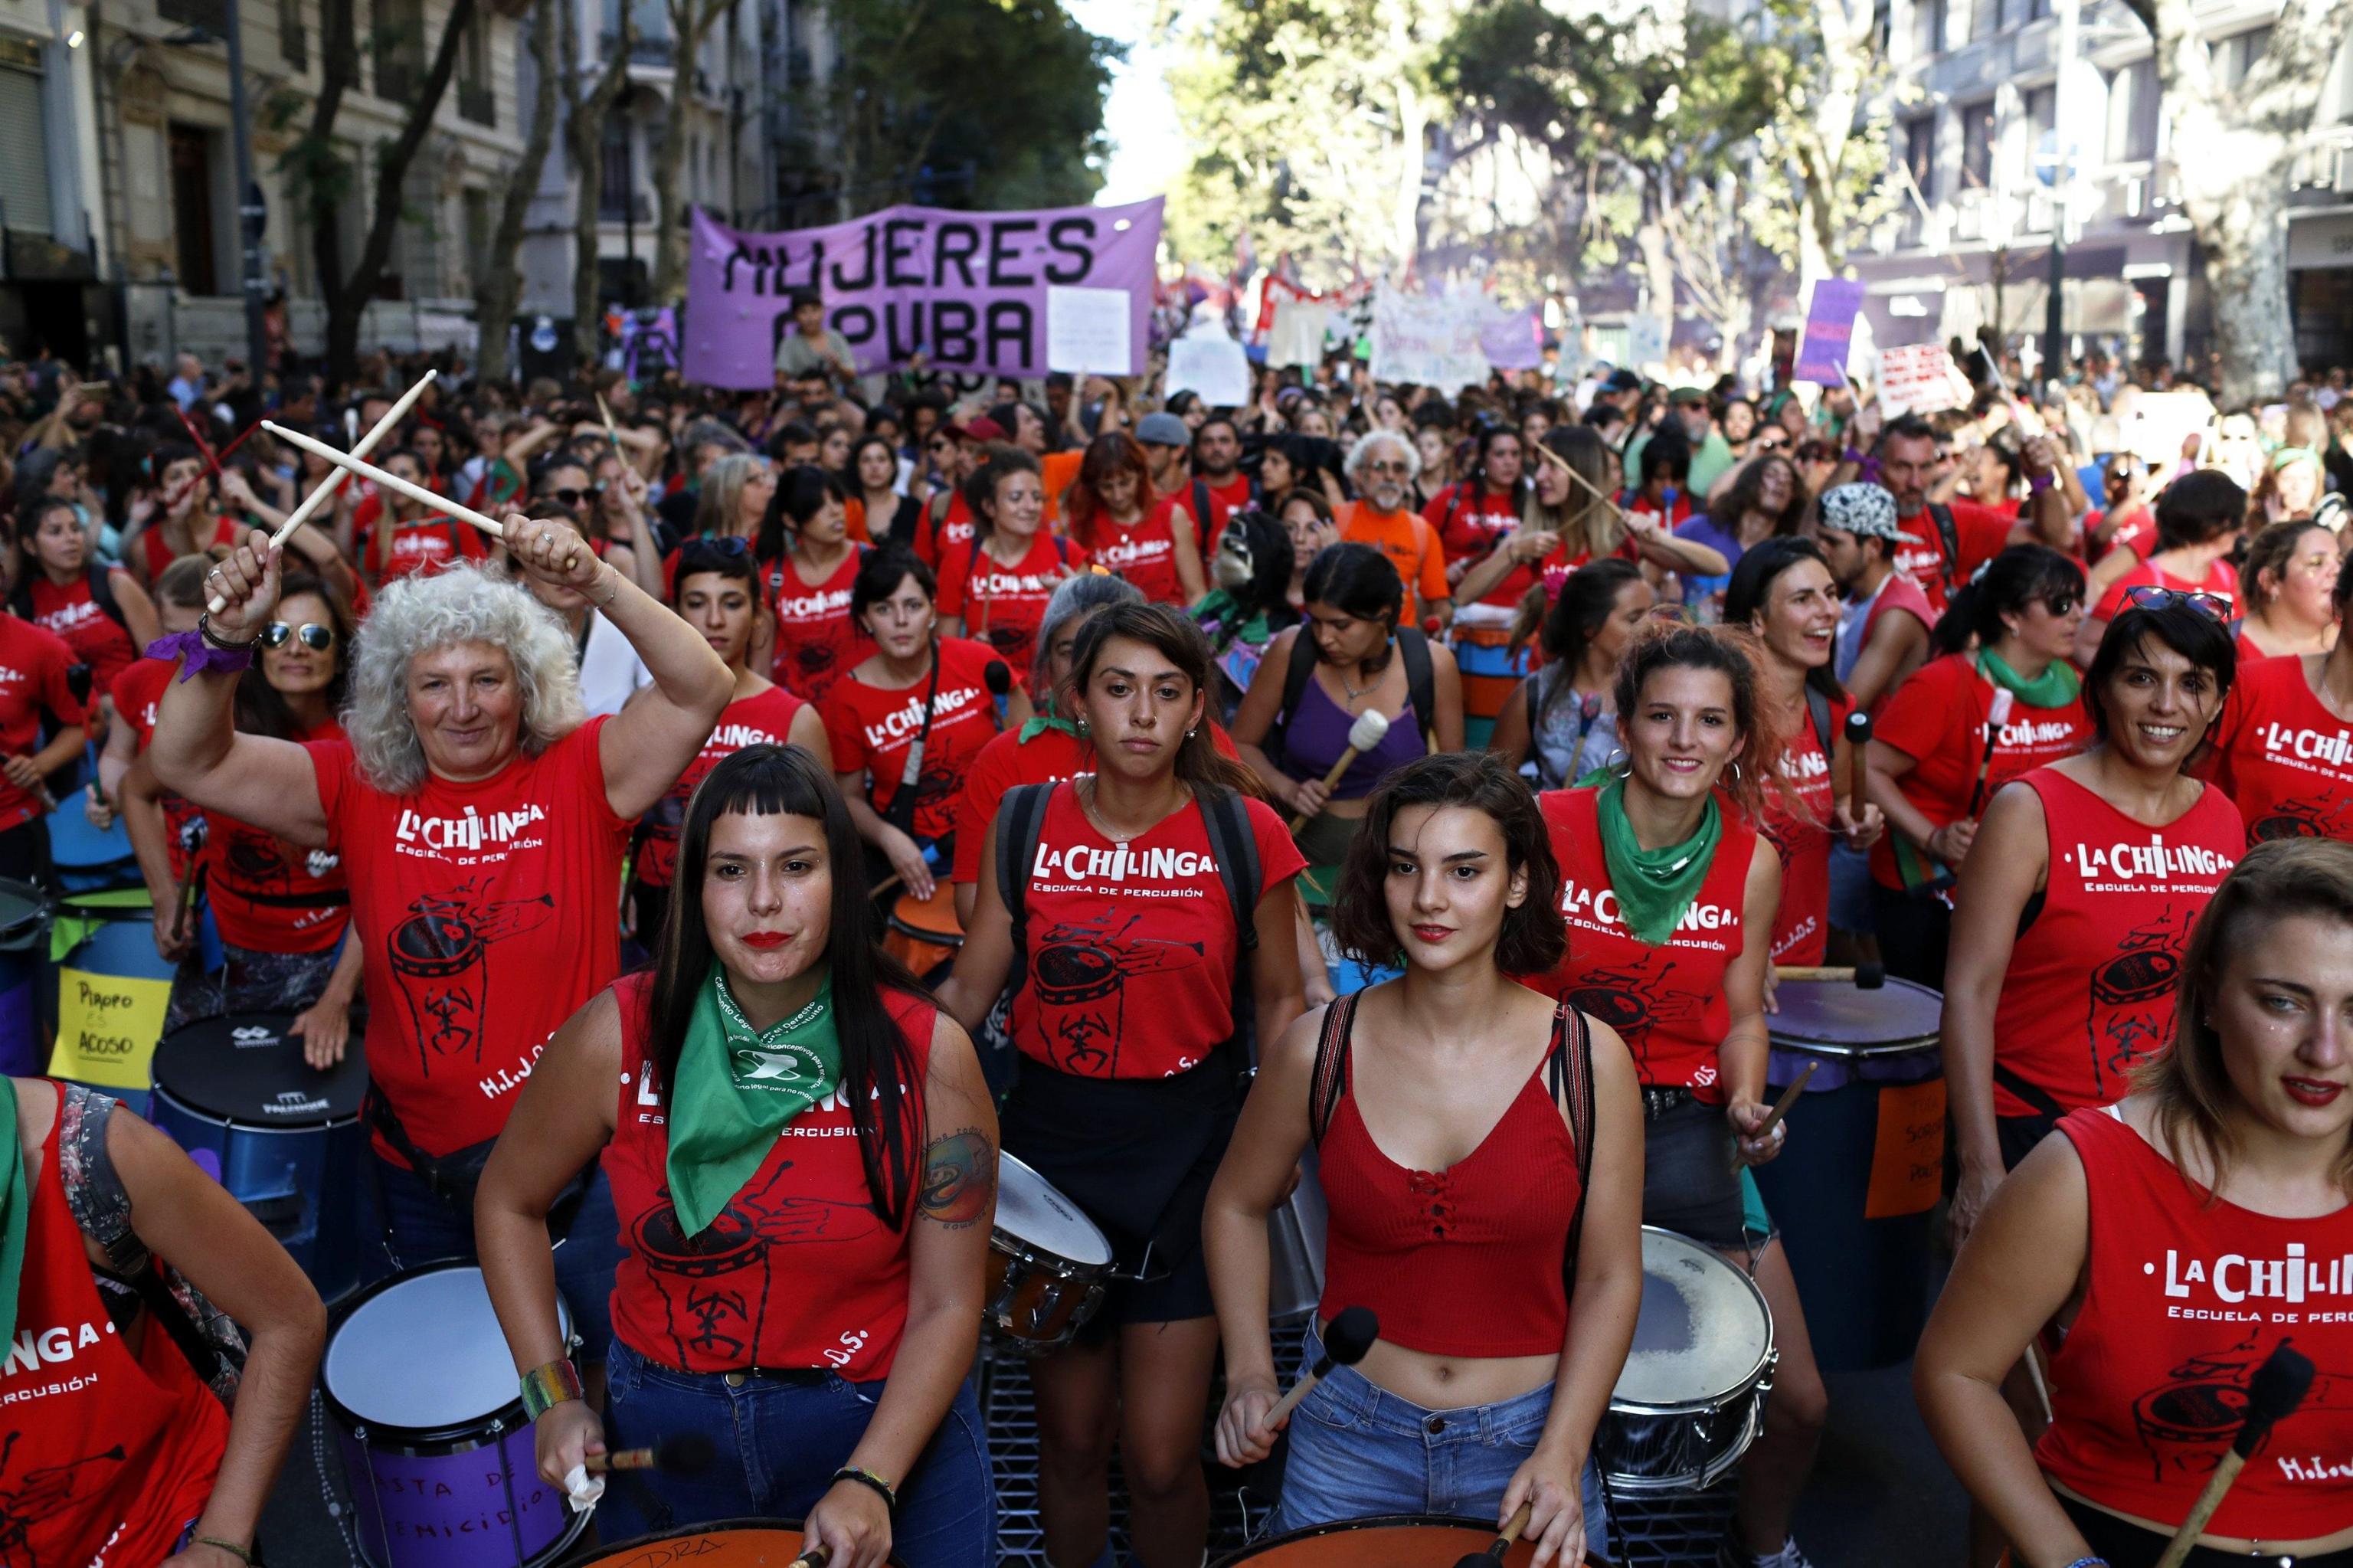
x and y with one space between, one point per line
2284 757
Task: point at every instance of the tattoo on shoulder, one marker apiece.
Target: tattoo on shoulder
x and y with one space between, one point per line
959 1177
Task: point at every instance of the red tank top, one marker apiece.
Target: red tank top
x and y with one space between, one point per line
2089 991
816 639
1667 1003
1415 1245
2185 1301
798 1271
764 718
1146 552
1801 825
105 1457
270 895
157 550
138 693
2283 757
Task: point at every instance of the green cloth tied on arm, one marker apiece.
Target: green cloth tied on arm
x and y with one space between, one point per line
1653 887
738 1088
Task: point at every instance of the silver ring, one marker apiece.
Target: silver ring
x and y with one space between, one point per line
213 575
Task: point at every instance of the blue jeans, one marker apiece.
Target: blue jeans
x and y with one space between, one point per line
1358 1451
420 1228
779 1444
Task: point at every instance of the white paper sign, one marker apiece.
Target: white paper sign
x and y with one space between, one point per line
2161 423
1087 329
1428 342
1207 363
1920 378
1646 343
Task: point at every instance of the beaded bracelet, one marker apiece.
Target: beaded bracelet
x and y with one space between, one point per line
2089 1562
242 1553
889 1493
544 1388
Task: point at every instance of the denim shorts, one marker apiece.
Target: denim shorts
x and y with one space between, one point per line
779 1443
1357 1451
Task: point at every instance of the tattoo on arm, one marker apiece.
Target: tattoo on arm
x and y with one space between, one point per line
959 1177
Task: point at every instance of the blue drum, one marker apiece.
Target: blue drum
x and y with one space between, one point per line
24 933
286 1139
1864 1165
109 991
87 859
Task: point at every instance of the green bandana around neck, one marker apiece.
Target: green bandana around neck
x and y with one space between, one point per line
2054 688
1653 887
1032 728
15 1209
738 1088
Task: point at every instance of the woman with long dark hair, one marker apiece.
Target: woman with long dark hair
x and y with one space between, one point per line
1155 545
1127 1092
1764 501
880 513
1564 718
808 564
1453 882
776 1101
2176 1239
99 612
2270 750
1669 892
1782 591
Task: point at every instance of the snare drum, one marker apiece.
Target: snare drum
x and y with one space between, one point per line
24 936
1864 1163
287 1141
923 933
436 1447
1398 1542
1047 1263
1692 1396
728 1544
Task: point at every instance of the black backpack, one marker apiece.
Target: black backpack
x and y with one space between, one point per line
1421 687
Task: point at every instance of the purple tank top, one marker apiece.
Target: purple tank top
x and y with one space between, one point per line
1319 734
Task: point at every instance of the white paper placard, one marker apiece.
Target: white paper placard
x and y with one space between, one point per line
1206 362
1087 329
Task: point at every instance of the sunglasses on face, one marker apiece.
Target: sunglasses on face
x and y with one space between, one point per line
314 636
568 496
2154 597
2060 604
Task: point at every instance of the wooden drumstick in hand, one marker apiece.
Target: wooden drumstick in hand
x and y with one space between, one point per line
1371 728
1352 1332
1857 743
1502 1541
392 481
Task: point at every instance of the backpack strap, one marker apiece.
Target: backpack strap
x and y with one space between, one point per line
1420 682
1818 706
1020 824
1236 848
1296 676
102 592
1570 1072
1201 508
1949 535
1331 1065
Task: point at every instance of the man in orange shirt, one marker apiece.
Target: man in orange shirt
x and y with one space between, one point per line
1383 466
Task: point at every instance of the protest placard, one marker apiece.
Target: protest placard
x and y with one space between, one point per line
1830 325
1427 341
1920 378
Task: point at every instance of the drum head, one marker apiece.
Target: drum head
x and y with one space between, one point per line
1703 1332
730 1543
246 1069
1400 1542
421 1354
24 909
1837 1018
1028 1207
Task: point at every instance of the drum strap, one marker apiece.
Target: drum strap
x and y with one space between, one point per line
901 814
1570 1074
1331 1065
452 1177
2032 1093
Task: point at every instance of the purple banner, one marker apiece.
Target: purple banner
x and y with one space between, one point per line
1830 324
966 290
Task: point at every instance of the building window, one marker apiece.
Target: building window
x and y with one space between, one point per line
2132 114
192 208
476 99
1920 153
616 195
399 49
1976 145
1985 18
212 15
1927 27
24 173
293 37
2235 56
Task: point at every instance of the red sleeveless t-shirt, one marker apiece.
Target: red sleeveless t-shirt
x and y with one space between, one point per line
798 1271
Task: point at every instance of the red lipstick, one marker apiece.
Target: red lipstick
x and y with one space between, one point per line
762 941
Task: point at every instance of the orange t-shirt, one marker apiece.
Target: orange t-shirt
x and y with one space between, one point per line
1410 544
1061 471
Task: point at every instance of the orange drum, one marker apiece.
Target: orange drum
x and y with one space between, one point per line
730 1544
1401 1542
924 933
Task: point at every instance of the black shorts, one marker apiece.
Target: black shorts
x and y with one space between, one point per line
1137 1155
2127 1545
1690 1184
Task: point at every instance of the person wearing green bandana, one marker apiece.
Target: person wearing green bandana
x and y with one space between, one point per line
1669 892
803 1157
1935 759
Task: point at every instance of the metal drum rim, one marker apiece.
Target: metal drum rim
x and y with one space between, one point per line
1764 1362
1682 1483
1048 1263
617 1552
488 1429
279 1129
1380 1521
1885 1051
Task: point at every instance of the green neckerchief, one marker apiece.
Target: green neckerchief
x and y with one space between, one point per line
15 1209
738 1088
1653 887
2054 688
1038 726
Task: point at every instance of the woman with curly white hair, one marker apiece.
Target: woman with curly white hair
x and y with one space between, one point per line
481 822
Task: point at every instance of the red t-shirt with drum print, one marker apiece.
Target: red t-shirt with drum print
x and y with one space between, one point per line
1803 824
798 1270
1005 605
764 718
424 544
489 911
1667 1003
816 641
137 693
2283 757
97 638
271 897
873 729
1132 948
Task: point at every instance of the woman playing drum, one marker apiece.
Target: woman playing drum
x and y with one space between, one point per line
2067 939
2141 1234
1447 1203
1142 958
804 1161
1669 894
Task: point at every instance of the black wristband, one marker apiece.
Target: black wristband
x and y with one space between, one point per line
873 1482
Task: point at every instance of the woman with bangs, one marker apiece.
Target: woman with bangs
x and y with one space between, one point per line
1669 892
776 1100
1436 1198
1155 545
2132 1238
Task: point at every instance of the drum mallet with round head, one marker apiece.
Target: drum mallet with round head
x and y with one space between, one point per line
1502 1541
325 492
1349 1336
1371 728
1863 976
1858 742
2279 1386
998 678
685 1454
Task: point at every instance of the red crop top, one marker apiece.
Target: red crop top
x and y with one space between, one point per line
1417 1247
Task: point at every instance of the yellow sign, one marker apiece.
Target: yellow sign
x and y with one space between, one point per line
107 1028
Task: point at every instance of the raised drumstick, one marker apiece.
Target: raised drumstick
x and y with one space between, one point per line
334 480
611 434
1371 728
392 481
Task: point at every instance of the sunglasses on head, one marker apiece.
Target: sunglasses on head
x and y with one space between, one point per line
727 546
2153 598
316 638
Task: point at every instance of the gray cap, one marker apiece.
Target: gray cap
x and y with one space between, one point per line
1865 510
1164 430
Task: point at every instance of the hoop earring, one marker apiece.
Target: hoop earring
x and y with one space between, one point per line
1732 768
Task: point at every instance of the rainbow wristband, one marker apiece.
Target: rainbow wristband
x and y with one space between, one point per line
544 1388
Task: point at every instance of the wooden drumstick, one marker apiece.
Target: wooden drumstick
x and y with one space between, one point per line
392 481
1503 1539
1999 716
1562 463
1346 1339
1371 728
814 1557
611 434
685 1454
1781 1107
1857 743
334 480
1864 977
